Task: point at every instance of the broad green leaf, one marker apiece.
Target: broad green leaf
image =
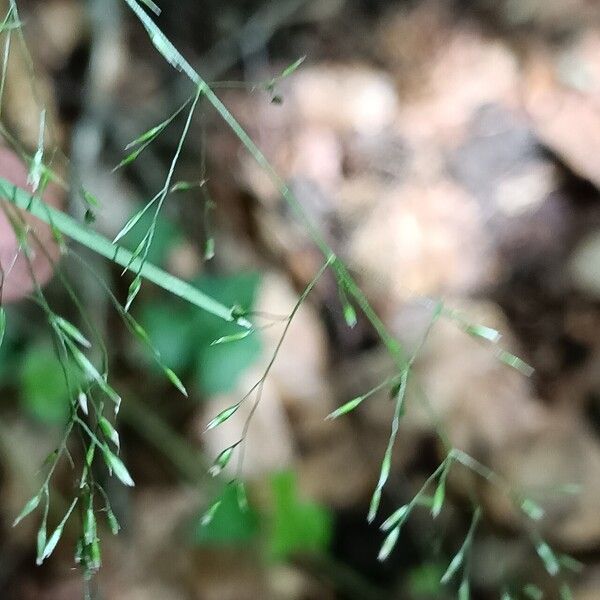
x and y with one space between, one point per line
424 580
298 526
224 523
42 386
218 368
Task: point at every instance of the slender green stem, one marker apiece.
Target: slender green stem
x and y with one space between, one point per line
101 245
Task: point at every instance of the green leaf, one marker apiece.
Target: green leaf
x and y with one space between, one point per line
115 464
42 386
298 526
31 505
171 327
389 544
218 368
424 580
224 523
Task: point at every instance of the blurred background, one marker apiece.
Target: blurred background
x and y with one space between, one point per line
446 150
